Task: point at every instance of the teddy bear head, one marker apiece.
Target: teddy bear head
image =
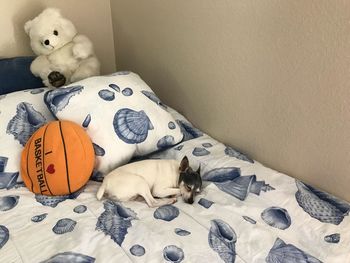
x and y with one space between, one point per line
49 31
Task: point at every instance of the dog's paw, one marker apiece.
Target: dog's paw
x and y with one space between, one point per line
56 79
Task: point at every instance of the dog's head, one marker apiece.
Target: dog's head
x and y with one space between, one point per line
190 182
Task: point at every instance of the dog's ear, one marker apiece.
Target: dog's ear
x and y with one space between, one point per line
184 164
199 169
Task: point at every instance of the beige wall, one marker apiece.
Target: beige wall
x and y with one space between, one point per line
91 17
271 78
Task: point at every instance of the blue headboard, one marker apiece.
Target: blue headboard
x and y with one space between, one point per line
15 75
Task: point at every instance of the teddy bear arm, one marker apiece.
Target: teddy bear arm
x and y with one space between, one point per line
82 48
40 67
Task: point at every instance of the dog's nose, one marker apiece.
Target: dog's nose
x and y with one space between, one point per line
190 201
47 42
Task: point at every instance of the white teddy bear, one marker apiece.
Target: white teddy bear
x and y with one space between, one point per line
63 55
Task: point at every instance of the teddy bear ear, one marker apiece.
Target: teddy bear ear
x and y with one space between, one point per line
27 26
51 12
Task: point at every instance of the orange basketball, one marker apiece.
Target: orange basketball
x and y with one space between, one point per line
58 159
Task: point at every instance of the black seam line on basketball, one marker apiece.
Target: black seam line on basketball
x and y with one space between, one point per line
65 157
30 142
44 170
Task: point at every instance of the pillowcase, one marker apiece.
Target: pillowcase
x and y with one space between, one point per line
15 75
21 114
121 114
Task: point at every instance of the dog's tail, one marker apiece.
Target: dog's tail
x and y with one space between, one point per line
101 191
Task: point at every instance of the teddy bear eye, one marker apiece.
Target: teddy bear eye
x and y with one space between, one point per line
55 32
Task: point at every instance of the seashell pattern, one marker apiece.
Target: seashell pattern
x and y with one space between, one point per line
53 201
37 91
205 203
188 130
282 252
199 151
99 151
222 239
26 121
165 142
249 219
236 154
115 87
70 257
4 235
8 180
230 181
207 145
8 202
3 163
333 238
179 148
173 254
63 226
57 99
115 221
166 212
121 73
137 250
171 125
154 98
276 217
80 209
132 126
38 218
106 95
97 176
182 232
320 205
86 121
127 92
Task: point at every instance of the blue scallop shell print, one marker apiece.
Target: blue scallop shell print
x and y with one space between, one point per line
165 142
132 126
53 201
3 163
8 202
154 98
137 250
166 212
182 232
171 125
320 205
4 235
282 253
37 91
99 151
222 239
188 130
7 180
26 121
106 95
236 154
199 151
70 257
38 218
249 219
80 209
276 217
127 92
64 226
86 121
333 238
207 145
173 254
115 221
205 202
115 87
57 99
219 175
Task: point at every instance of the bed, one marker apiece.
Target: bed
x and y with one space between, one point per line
246 212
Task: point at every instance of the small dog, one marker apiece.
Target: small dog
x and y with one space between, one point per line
153 178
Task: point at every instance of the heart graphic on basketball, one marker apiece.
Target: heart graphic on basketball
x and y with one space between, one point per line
50 169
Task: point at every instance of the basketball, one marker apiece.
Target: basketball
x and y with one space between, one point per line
58 159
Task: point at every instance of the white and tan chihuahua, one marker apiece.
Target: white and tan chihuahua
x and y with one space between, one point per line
152 178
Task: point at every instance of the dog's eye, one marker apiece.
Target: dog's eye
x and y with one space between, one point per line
55 32
187 187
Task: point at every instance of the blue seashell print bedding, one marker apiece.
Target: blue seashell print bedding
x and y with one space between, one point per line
245 213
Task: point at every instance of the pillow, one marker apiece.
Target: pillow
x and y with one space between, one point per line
122 115
15 75
21 114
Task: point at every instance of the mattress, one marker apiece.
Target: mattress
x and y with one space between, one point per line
246 212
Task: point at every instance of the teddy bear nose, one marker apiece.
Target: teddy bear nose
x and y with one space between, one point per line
47 42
